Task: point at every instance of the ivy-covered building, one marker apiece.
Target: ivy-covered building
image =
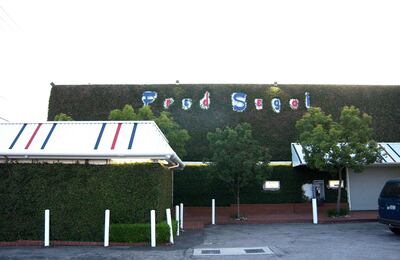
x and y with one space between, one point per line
271 109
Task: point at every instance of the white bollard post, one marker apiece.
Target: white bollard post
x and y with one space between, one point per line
169 222
181 216
107 228
153 227
47 228
315 211
213 212
177 212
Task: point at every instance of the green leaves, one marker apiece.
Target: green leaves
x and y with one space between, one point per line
63 117
236 155
176 136
330 145
127 113
140 232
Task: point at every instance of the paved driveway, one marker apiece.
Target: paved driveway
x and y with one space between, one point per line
285 241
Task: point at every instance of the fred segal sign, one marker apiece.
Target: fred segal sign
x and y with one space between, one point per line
238 99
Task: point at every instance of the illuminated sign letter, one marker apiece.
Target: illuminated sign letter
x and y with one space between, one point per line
259 103
148 97
168 102
205 101
276 105
294 103
307 101
186 103
239 101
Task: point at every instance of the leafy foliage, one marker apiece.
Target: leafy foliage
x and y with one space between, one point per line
333 146
172 130
63 117
342 212
330 145
237 158
77 196
177 136
127 113
140 232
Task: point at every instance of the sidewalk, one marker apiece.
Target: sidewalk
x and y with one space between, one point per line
198 217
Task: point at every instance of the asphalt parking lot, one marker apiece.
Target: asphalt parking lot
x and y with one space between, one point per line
283 241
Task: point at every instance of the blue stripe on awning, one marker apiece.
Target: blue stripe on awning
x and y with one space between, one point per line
100 135
18 135
386 153
48 136
393 151
132 136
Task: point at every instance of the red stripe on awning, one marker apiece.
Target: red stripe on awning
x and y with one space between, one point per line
33 136
116 136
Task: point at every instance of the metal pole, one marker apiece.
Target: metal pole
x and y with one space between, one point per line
213 212
177 212
47 228
153 227
169 222
107 228
181 217
315 211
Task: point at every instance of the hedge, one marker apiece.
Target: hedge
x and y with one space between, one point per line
195 187
274 131
77 196
140 232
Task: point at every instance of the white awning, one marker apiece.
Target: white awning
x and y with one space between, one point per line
86 140
390 154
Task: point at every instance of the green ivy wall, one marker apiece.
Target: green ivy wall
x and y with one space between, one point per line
274 131
194 187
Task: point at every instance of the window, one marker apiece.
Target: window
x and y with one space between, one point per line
391 189
272 185
334 184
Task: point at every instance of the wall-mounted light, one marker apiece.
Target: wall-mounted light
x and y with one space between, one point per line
334 184
272 185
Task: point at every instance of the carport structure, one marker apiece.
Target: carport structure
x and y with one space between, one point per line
363 188
97 142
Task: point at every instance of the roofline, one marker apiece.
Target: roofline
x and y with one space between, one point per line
84 122
222 84
173 160
375 164
204 164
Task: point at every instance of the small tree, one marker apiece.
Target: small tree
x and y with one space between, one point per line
175 134
127 113
63 117
237 158
172 130
333 146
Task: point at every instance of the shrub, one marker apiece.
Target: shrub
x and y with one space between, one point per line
140 232
342 212
77 196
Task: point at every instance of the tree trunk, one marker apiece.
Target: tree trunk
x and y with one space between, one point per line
238 201
339 196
